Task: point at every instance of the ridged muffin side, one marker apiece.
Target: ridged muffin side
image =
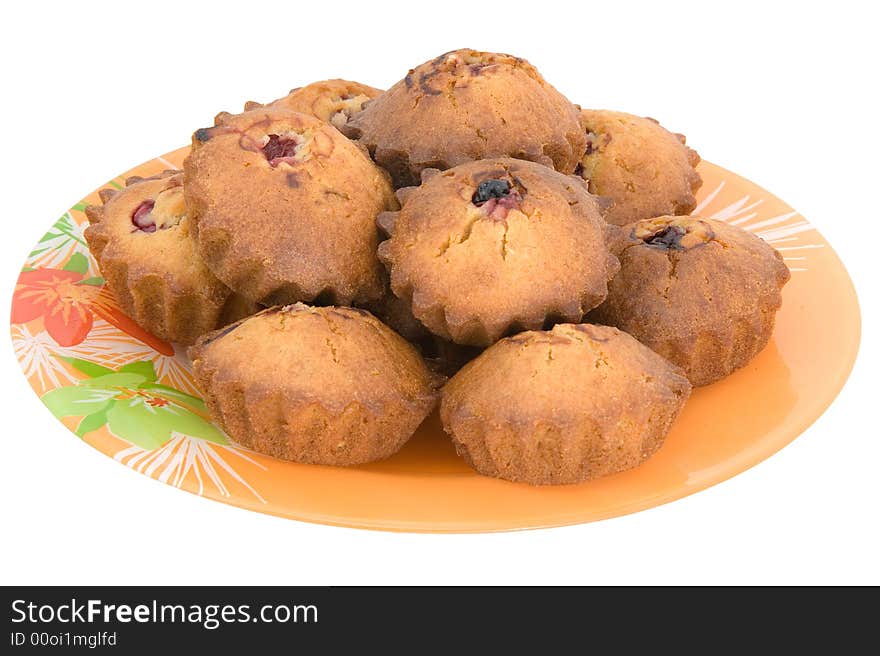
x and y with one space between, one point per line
284 208
141 237
563 406
643 168
327 385
468 105
700 292
496 246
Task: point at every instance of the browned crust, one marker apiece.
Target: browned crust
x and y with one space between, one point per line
315 426
441 115
643 169
322 99
286 234
146 291
432 288
709 308
613 403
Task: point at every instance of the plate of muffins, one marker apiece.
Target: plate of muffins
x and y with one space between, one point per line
462 304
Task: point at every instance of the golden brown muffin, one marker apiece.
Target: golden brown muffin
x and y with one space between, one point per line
331 386
285 207
562 406
142 241
467 105
494 246
644 169
332 101
700 292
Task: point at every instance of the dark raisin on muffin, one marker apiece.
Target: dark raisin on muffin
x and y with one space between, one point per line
700 292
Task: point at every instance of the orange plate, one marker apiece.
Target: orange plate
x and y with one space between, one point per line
61 310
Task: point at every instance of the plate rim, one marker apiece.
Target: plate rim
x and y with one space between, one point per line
731 467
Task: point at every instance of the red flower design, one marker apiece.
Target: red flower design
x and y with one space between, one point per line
68 301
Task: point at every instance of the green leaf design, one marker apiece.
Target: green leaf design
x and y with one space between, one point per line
63 228
77 262
80 207
143 368
91 422
88 368
64 222
75 401
176 395
95 281
132 404
149 427
114 381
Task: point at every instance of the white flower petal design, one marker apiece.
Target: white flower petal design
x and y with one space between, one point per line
106 345
39 354
183 456
176 371
116 348
56 250
36 354
703 204
169 164
783 228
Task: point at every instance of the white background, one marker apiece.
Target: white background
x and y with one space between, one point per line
783 96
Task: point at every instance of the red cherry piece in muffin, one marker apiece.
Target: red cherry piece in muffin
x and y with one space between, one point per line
142 241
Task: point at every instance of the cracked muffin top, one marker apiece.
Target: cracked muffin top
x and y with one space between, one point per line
332 101
643 168
141 237
334 356
562 406
322 385
497 245
285 208
701 292
467 105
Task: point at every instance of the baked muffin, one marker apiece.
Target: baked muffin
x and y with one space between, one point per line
700 292
141 237
329 385
643 168
467 105
285 207
495 246
562 406
332 101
